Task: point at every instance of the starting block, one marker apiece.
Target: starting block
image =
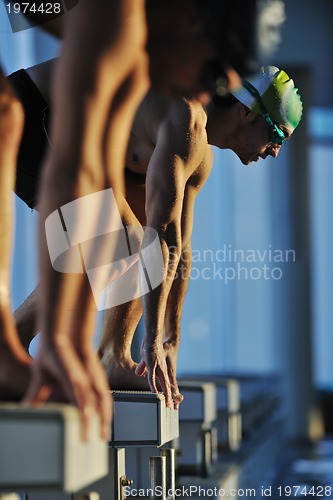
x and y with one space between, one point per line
198 437
142 423
229 418
42 453
255 402
142 419
259 399
41 449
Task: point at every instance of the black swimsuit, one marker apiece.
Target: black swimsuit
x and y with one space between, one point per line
35 137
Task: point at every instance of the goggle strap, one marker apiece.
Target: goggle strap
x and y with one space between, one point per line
275 129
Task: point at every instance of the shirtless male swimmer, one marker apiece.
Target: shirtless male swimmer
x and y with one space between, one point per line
168 160
88 116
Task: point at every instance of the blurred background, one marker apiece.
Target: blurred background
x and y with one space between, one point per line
261 289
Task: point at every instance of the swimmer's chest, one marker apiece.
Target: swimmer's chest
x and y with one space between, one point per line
138 154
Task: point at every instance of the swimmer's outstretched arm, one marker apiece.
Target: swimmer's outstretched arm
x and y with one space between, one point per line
99 81
176 297
165 187
179 153
14 361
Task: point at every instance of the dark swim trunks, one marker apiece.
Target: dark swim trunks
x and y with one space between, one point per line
35 137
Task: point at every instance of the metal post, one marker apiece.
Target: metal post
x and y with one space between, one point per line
204 456
157 477
169 454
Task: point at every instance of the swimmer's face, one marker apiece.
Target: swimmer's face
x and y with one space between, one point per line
253 141
179 51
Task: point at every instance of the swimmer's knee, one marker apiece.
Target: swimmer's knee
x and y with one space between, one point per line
140 81
142 73
77 180
135 85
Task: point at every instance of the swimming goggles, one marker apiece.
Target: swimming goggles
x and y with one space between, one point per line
276 134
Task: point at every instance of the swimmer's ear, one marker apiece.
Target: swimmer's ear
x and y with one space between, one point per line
247 114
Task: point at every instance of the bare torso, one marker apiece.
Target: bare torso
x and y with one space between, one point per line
142 142
152 113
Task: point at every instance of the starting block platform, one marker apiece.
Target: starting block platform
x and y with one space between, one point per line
142 423
228 407
148 422
198 440
199 403
42 453
41 449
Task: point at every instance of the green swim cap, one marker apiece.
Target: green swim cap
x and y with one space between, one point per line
278 94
